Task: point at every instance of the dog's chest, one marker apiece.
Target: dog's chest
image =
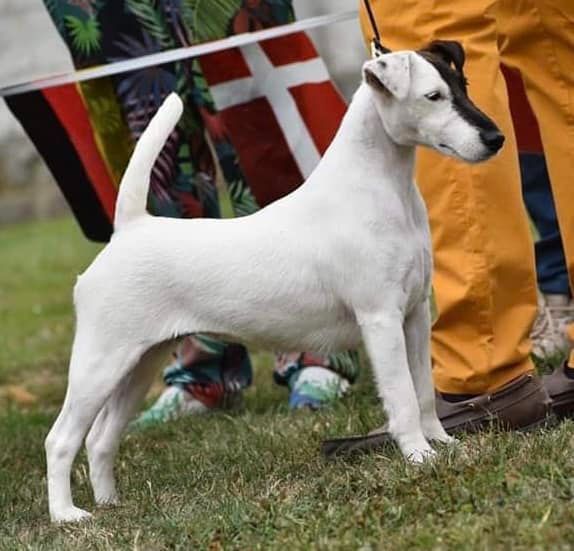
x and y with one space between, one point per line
418 269
399 253
417 254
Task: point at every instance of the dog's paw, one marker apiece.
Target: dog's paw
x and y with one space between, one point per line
444 439
72 514
418 455
106 495
434 432
108 501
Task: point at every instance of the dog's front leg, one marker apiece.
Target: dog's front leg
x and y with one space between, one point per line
417 334
385 341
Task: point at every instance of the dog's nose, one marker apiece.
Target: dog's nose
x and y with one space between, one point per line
493 139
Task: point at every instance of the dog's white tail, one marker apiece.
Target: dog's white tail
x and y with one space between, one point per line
132 196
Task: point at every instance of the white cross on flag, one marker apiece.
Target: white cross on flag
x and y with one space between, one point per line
279 107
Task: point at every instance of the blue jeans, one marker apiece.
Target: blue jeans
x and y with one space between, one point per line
551 270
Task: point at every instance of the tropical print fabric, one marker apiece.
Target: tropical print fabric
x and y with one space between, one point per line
288 364
103 31
209 370
183 182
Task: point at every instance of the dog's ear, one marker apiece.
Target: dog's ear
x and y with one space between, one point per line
389 73
450 51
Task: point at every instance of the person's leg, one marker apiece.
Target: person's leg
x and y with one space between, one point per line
484 264
206 374
537 37
555 312
551 270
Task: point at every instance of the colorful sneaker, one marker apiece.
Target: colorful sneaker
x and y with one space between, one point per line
552 327
314 387
174 402
561 308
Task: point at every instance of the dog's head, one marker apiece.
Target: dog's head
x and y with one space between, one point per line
422 99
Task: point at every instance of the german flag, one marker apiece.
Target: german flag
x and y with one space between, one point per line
58 123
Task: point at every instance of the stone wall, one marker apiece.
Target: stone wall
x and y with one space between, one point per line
31 48
28 49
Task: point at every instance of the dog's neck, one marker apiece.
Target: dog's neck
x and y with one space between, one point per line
363 142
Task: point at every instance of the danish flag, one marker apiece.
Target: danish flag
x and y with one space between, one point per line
279 108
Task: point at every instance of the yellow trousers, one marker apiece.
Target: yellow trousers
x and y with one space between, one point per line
484 278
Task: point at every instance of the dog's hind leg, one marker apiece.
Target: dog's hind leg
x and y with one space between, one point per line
385 341
417 335
103 440
95 371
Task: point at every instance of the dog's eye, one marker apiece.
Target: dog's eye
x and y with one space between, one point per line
433 96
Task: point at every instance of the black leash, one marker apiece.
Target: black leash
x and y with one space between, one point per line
376 46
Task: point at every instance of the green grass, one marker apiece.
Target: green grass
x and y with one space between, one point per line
38 267
253 479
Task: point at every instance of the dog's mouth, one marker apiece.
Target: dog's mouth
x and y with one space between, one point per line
448 149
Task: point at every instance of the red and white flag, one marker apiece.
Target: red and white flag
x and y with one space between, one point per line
279 108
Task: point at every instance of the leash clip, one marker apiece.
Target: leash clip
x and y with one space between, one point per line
376 49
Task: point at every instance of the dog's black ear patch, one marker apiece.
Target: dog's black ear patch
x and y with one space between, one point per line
450 51
443 55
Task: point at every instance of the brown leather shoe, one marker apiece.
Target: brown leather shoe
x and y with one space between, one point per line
560 387
521 404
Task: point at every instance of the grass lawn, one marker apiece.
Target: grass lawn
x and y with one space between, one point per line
252 479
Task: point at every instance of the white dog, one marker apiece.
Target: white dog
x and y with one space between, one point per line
344 258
